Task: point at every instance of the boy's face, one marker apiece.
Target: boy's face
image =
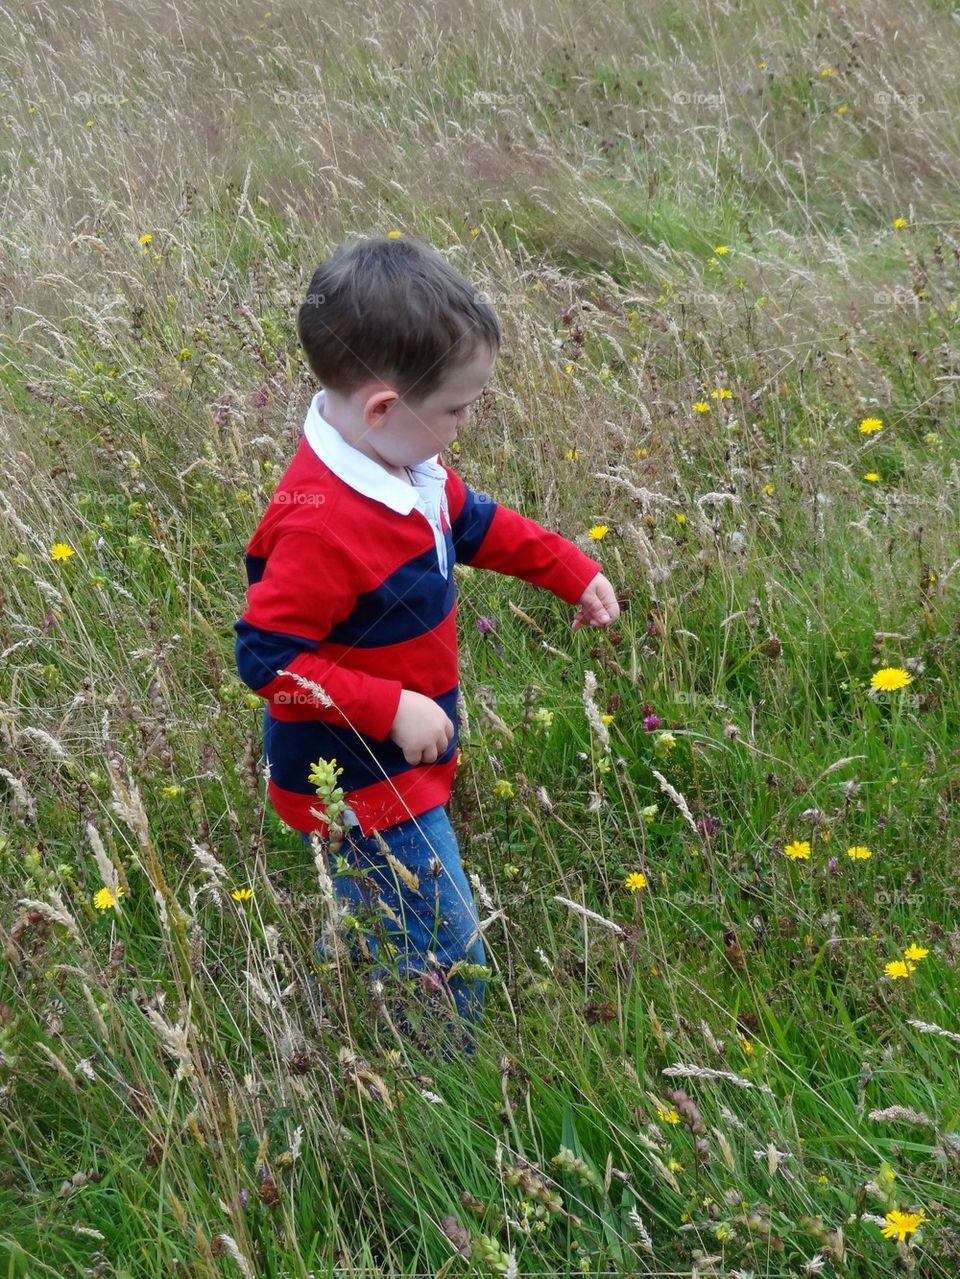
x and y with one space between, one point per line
405 433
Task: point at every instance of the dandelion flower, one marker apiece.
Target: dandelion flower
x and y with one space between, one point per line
667 1115
900 1224
242 894
870 424
635 881
721 393
872 477
394 235
899 223
720 250
105 899
599 532
61 551
146 238
606 719
681 518
798 850
769 490
898 968
890 678
914 951
859 853
701 406
503 789
474 231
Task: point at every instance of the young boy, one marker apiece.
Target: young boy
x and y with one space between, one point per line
351 587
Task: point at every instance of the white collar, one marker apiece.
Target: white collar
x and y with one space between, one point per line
359 471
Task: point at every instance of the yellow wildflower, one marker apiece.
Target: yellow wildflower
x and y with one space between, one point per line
701 406
474 231
898 968
394 235
899 223
572 455
147 238
721 249
105 899
721 393
798 850
872 477
769 490
859 853
503 789
900 1224
681 518
870 424
667 1115
889 678
599 532
242 894
914 951
635 881
61 551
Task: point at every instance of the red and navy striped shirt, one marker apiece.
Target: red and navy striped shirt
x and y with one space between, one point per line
351 586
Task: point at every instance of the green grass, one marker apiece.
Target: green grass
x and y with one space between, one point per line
184 1088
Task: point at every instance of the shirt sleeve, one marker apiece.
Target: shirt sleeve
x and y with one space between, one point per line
487 534
290 609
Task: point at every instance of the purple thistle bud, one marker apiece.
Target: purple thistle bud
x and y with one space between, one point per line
833 866
244 1198
651 723
708 826
485 625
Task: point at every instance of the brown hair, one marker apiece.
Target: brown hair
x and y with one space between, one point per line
393 309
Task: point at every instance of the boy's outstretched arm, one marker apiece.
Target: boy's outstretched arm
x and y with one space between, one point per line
487 534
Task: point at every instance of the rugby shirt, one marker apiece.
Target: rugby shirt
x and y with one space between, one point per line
350 584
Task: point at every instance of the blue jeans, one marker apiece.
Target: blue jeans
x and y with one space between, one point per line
441 916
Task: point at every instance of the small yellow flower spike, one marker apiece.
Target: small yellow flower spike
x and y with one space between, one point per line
503 789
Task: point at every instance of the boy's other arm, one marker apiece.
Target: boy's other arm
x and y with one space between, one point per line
293 606
487 534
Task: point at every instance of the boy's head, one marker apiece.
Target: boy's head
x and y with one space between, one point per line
401 343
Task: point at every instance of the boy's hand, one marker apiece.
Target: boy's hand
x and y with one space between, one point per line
420 728
598 605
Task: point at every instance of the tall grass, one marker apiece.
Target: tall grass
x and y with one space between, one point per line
712 1074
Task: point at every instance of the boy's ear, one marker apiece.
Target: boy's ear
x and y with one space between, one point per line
378 405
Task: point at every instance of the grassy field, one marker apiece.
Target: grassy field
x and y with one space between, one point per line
716 849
